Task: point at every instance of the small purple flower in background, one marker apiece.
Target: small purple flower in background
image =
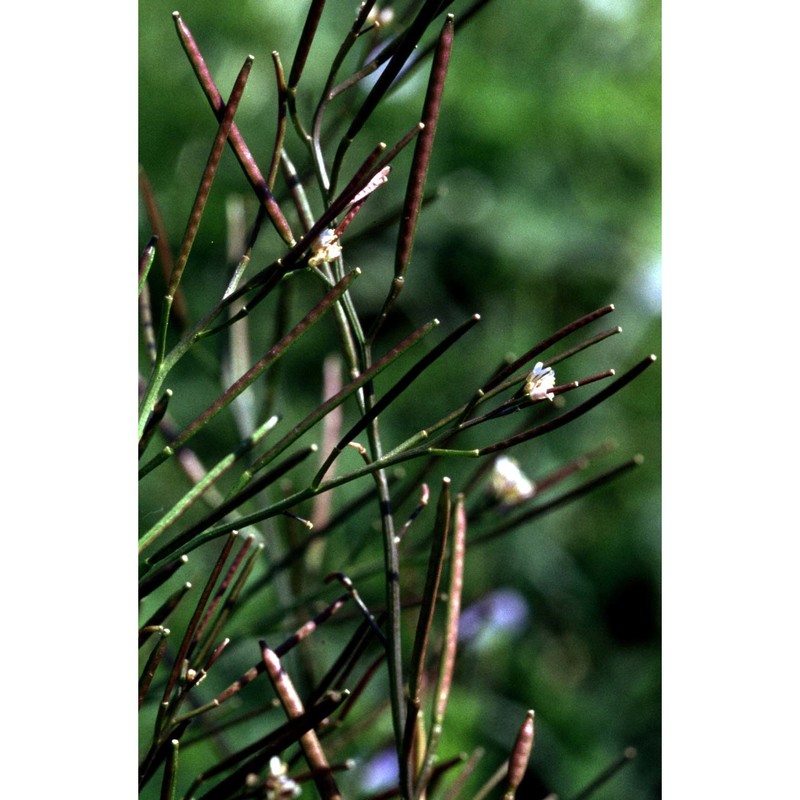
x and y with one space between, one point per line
502 612
380 772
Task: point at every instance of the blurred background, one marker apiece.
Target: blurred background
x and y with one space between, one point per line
546 174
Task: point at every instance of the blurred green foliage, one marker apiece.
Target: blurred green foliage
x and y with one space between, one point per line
547 168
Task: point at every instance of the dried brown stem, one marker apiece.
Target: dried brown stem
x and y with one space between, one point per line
225 126
236 140
188 637
303 632
448 659
309 741
160 576
150 667
221 589
573 413
257 754
419 169
518 761
163 247
160 615
577 324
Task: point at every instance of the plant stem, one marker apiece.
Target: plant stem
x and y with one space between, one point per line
242 383
241 150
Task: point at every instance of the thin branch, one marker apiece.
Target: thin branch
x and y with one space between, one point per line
309 741
160 615
418 171
196 616
160 576
237 143
577 324
146 260
275 353
206 482
163 247
573 413
252 489
441 531
393 392
448 658
193 223
627 756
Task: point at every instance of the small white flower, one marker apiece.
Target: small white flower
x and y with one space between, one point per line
539 381
325 248
382 16
508 483
278 786
277 769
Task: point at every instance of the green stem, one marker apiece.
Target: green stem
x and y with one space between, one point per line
448 658
146 261
280 128
170 778
400 386
292 501
334 402
208 480
185 539
391 560
441 531
254 372
400 56
315 139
